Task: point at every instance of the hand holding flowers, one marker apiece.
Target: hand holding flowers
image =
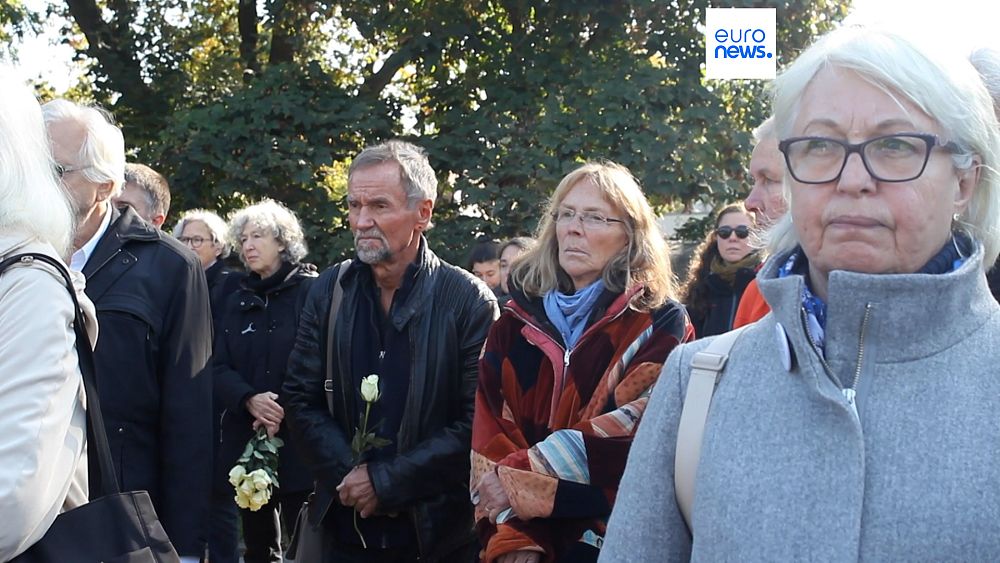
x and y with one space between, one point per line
356 486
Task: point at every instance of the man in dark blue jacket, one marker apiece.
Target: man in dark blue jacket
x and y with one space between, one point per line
418 323
155 331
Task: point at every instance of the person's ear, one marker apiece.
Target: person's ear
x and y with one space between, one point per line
104 190
968 182
424 210
157 220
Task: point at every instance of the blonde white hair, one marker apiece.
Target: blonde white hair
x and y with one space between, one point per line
32 199
103 148
949 90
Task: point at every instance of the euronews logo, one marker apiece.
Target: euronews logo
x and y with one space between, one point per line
739 43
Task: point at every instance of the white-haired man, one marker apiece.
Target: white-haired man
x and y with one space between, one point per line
155 342
767 202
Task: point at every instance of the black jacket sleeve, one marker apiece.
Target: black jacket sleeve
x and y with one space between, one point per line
186 413
229 386
322 443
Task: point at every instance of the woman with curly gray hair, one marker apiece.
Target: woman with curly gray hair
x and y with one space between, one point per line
251 350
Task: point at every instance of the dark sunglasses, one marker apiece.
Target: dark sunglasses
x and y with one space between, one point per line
742 231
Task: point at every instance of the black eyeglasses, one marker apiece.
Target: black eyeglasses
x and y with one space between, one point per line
890 158
193 242
741 231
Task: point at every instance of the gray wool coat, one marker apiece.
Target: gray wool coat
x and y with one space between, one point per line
789 472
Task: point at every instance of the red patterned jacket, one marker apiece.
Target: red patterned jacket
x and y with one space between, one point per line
556 425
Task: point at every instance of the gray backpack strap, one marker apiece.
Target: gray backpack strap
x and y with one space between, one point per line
338 296
706 369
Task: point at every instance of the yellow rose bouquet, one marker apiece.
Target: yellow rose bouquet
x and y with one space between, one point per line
256 472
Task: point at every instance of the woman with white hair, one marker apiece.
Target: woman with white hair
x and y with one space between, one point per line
251 352
206 234
859 419
43 466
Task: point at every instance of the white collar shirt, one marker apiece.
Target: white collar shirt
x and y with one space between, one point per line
80 257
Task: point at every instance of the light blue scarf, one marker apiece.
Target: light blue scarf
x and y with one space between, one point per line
569 312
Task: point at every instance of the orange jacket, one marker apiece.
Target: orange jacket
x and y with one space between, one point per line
752 306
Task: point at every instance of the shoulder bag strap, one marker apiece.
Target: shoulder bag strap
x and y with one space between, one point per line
100 466
706 370
338 296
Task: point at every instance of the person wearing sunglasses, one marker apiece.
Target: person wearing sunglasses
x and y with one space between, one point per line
719 272
858 420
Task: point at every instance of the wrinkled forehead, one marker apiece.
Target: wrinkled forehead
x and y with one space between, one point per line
847 104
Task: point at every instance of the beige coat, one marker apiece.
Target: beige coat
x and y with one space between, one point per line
43 454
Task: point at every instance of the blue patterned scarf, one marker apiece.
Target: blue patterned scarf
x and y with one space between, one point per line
569 312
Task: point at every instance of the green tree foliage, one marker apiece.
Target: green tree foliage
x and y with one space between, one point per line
506 95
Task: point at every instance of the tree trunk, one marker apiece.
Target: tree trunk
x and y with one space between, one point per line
247 18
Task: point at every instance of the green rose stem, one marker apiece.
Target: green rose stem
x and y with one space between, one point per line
364 431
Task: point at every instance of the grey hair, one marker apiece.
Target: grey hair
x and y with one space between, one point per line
278 220
155 188
950 91
215 225
103 149
32 200
415 170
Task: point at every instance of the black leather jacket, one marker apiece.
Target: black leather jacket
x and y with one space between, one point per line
449 313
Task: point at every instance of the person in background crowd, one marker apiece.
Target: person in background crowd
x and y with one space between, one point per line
987 63
251 354
419 324
568 368
767 202
205 234
722 267
484 263
147 192
509 251
866 430
43 462
156 329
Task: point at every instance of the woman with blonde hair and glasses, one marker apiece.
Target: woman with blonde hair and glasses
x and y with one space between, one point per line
568 368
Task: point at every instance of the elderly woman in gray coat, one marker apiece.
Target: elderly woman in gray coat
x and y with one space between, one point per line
859 420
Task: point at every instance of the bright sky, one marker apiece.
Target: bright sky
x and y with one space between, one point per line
957 24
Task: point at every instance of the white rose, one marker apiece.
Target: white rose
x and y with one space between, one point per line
257 500
369 388
236 475
261 480
242 499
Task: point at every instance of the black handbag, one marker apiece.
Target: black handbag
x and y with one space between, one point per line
114 527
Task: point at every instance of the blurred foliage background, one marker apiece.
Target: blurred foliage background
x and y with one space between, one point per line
235 100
